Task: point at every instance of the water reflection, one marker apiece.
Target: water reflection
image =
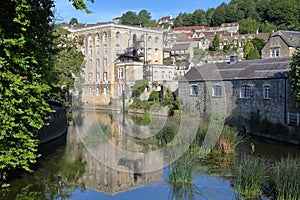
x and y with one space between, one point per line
94 164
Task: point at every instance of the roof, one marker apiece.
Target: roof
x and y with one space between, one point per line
181 46
292 38
250 69
187 28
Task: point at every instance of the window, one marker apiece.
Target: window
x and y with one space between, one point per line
194 90
90 91
105 76
117 49
149 51
90 50
83 91
142 37
163 75
76 39
90 38
149 39
156 40
98 63
170 75
97 91
105 63
243 42
98 77
156 51
245 91
267 92
98 49
97 37
120 72
83 76
217 91
91 63
90 77
274 53
105 37
118 35
155 74
225 42
105 91
105 49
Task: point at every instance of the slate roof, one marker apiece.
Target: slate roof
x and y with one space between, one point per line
181 46
292 38
250 69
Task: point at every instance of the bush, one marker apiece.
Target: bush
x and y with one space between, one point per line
154 96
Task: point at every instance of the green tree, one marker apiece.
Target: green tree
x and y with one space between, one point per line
250 52
144 17
258 43
248 26
73 21
199 18
26 65
219 15
294 76
215 42
130 18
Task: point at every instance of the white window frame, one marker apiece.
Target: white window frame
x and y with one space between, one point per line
267 92
217 91
246 91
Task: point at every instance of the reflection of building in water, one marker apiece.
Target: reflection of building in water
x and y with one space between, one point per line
108 168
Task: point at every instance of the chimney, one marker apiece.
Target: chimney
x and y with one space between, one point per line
233 58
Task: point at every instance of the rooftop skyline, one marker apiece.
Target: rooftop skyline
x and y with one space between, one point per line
104 12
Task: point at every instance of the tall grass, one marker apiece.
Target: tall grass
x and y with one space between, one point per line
250 177
286 175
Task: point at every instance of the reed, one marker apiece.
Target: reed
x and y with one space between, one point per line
286 175
250 177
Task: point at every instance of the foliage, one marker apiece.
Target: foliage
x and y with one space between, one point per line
294 75
258 43
199 53
73 21
252 15
250 52
250 176
216 42
26 65
248 26
143 18
81 5
286 175
139 87
154 96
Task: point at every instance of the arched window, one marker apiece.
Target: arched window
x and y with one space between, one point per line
156 40
134 38
246 91
90 50
98 49
149 51
117 49
105 37
170 75
194 90
90 91
156 51
118 35
98 77
149 39
97 37
97 91
105 49
90 38
163 75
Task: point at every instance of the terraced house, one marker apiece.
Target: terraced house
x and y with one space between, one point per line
102 43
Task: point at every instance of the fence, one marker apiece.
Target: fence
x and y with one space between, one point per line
293 119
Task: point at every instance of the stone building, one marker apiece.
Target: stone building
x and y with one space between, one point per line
102 43
281 44
240 90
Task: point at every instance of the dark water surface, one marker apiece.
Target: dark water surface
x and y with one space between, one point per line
86 165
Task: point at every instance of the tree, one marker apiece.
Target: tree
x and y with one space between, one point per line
248 26
258 43
73 21
219 15
250 52
26 65
215 42
294 76
130 18
144 17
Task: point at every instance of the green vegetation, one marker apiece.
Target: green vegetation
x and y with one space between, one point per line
143 18
286 175
252 15
294 75
250 51
250 177
31 76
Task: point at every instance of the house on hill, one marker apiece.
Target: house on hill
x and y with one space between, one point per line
281 44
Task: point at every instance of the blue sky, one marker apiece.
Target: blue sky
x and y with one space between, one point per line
104 11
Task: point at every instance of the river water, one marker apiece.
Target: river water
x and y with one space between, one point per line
102 157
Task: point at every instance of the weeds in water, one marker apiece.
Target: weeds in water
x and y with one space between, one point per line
286 175
250 177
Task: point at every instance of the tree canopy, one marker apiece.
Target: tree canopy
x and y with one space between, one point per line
294 76
143 18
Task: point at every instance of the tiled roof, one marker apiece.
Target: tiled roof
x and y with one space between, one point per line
250 69
181 46
292 38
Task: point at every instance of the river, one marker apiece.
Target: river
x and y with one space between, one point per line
102 157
